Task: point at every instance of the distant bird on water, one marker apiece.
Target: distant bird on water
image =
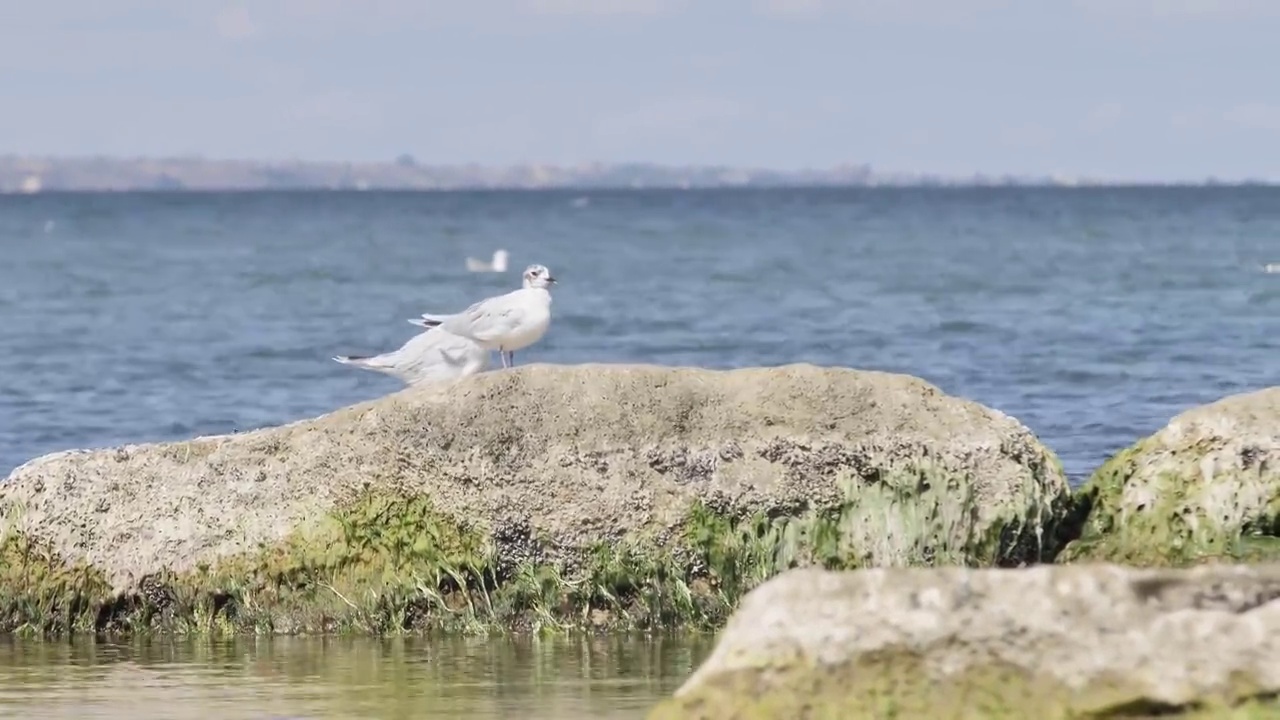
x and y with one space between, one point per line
433 356
499 263
1272 268
505 323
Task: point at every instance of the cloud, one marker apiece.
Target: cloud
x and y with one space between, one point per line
1253 116
328 18
672 116
1179 9
917 138
371 18
1187 120
599 7
234 23
338 108
792 8
894 11
1030 135
713 62
1248 116
1104 117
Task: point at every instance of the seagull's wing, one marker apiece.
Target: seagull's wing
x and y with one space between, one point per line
439 355
488 319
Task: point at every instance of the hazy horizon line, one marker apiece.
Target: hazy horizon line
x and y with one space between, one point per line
600 189
567 164
21 173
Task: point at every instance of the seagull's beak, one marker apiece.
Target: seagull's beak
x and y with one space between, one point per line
551 280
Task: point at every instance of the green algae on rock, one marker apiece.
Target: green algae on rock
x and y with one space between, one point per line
1085 641
546 496
1205 487
41 593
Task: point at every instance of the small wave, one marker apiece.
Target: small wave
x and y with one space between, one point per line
1081 376
261 279
968 327
1264 297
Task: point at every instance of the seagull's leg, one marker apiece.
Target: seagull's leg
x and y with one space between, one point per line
503 354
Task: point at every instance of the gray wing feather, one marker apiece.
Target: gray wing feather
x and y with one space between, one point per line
486 319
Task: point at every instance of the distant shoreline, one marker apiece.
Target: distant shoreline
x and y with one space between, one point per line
31 175
587 191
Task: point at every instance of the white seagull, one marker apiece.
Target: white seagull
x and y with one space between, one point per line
432 356
499 263
505 323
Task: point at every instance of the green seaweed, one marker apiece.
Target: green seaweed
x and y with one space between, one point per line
392 563
42 595
1173 530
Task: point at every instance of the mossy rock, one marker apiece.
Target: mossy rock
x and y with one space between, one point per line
900 687
1057 642
390 564
1204 488
543 497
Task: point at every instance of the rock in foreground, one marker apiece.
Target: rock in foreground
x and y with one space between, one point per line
606 495
1207 486
1045 642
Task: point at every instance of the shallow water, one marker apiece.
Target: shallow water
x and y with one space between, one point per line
1092 315
261 679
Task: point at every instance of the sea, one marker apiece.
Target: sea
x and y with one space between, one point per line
1093 315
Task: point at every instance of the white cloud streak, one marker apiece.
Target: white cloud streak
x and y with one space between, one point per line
599 7
234 23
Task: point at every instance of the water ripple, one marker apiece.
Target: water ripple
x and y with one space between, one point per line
1090 315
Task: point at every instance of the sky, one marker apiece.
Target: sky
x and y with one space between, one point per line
1132 89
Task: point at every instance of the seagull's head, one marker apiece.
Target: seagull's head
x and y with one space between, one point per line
538 276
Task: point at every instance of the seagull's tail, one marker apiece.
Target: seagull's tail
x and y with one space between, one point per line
369 362
428 321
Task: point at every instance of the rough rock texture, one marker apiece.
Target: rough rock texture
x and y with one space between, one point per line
1205 486
1043 642
543 466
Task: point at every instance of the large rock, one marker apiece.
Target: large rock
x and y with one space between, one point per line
1205 486
1084 641
614 495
